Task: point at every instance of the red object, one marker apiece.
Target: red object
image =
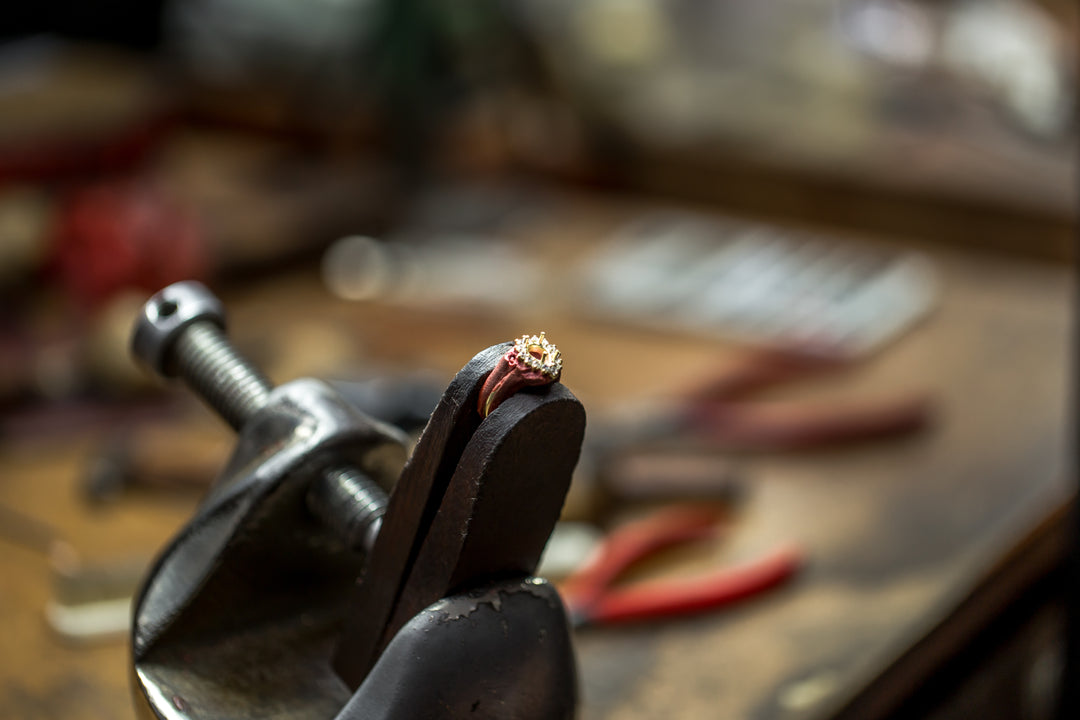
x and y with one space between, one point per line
121 150
120 235
721 412
509 375
592 598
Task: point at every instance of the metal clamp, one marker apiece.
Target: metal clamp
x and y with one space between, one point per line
300 590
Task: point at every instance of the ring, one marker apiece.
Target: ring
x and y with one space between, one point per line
531 361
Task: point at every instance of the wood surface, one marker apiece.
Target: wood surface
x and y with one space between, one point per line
898 533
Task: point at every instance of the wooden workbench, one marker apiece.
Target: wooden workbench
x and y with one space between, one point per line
898 533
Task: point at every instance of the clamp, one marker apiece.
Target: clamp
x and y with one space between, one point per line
324 576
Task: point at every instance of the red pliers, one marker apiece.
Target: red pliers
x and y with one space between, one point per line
722 413
592 598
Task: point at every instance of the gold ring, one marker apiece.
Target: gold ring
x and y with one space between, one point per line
531 361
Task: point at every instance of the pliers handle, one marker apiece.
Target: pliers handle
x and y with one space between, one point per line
721 412
592 599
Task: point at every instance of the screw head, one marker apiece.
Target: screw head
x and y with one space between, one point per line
166 315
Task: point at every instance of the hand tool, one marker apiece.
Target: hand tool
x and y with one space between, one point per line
111 236
719 414
177 457
300 590
91 602
165 462
768 286
592 597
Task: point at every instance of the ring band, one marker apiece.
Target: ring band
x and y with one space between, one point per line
531 361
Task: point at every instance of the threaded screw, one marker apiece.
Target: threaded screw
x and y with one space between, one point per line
351 503
181 333
211 367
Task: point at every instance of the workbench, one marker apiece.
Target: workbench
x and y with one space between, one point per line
900 534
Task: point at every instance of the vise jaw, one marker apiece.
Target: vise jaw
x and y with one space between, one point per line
260 609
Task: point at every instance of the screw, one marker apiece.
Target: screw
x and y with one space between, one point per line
181 333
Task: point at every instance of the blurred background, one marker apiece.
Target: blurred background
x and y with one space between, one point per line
880 195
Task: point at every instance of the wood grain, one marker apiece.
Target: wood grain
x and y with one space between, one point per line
898 533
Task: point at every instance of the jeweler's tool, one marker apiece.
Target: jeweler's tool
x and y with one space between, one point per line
297 590
592 597
771 287
720 414
181 333
178 457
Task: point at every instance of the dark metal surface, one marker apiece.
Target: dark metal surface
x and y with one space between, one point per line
350 502
181 332
501 652
213 369
166 316
244 611
476 500
237 617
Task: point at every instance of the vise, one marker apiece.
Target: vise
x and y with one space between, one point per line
326 576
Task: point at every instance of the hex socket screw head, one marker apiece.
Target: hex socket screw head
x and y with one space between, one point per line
166 316
182 332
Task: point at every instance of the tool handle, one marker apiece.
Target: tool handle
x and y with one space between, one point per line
800 426
665 598
759 370
631 543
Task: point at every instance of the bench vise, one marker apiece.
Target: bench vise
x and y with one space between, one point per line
324 576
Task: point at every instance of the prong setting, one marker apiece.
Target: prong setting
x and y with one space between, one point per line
531 361
540 355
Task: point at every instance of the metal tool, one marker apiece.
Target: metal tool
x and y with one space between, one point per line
593 598
301 590
722 414
182 333
765 285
